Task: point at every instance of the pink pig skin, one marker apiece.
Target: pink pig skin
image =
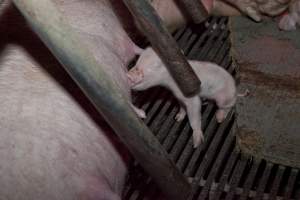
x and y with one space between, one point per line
54 145
291 19
217 84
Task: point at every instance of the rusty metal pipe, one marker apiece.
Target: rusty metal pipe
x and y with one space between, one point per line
163 43
66 46
195 9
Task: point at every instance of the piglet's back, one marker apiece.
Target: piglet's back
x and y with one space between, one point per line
212 75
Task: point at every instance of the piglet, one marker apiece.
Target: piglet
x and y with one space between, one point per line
290 19
217 84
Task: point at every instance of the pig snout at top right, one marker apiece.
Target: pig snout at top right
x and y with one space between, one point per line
174 15
291 19
216 84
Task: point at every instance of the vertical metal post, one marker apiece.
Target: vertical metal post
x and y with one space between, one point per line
151 25
195 9
50 26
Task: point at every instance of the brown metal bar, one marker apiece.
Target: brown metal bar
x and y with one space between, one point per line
106 96
250 180
276 183
291 184
195 9
236 176
164 44
263 182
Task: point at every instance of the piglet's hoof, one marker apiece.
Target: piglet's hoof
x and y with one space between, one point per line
180 116
198 138
220 115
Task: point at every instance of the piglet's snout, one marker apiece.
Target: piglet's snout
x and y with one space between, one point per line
135 76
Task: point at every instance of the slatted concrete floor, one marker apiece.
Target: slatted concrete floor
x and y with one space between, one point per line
219 170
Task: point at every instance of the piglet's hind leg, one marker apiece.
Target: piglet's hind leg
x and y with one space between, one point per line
222 114
193 106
